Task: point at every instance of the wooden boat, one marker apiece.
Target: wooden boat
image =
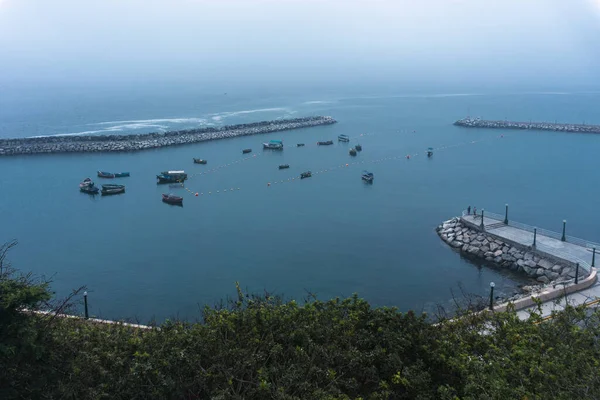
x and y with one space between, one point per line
199 161
284 166
367 176
343 138
327 143
246 151
171 177
273 145
86 182
352 151
306 174
430 152
358 147
300 145
112 189
172 199
108 175
121 174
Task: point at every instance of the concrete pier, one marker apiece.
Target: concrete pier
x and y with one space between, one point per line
540 126
112 143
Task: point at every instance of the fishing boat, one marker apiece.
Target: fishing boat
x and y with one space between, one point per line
172 199
108 175
327 143
199 161
358 147
86 182
367 176
171 177
112 189
246 151
352 151
343 138
300 145
306 174
121 174
91 189
284 166
273 145
429 151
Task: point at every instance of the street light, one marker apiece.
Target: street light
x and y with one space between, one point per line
85 303
492 285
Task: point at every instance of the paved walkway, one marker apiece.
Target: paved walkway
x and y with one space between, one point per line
565 250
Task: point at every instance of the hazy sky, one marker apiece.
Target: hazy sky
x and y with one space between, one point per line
237 40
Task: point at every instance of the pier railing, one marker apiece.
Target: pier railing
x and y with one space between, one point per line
545 232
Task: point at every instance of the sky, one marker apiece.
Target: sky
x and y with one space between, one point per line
501 41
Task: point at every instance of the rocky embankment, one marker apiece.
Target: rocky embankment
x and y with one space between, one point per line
493 250
107 143
540 126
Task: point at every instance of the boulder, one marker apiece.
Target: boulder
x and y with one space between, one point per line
520 263
529 271
498 242
465 247
552 275
528 256
459 238
498 253
531 263
488 254
475 243
447 231
518 256
513 250
543 279
543 263
557 268
505 249
466 239
540 272
456 244
536 258
485 248
485 242
493 246
473 249
488 258
507 257
480 238
497 259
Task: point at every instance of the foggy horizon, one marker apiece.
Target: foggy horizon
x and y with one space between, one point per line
547 43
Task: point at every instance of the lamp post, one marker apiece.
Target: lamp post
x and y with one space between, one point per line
594 257
564 237
85 304
492 285
482 226
576 273
534 236
506 214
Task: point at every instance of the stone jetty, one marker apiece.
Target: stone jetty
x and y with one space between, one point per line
493 250
540 126
110 143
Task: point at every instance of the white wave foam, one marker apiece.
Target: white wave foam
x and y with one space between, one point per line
227 114
156 121
318 102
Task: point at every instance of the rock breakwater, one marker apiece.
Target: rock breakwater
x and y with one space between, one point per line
110 143
490 248
540 126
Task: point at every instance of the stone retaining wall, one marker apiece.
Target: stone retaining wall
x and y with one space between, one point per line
109 143
540 126
493 250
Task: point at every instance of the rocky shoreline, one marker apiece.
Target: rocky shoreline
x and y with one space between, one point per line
491 249
110 143
540 126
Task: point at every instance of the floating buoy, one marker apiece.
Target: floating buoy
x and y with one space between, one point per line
196 194
268 184
209 193
346 165
501 135
408 156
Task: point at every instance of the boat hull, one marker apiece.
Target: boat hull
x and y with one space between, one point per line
174 200
109 192
121 174
105 175
199 161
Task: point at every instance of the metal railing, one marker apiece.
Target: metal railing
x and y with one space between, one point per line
540 231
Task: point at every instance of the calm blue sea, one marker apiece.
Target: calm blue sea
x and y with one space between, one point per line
331 234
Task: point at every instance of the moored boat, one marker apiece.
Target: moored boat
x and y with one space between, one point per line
273 145
121 174
358 147
300 145
246 151
306 174
108 175
343 138
367 176
284 166
429 151
352 151
92 189
171 177
199 161
86 182
172 199
112 189
326 143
